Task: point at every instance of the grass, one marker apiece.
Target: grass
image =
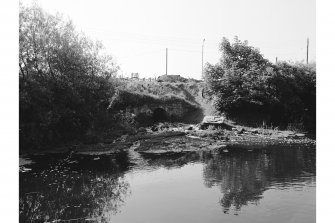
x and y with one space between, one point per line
183 90
124 99
191 91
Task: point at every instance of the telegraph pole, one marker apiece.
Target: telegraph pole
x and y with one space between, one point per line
276 59
202 59
307 49
166 61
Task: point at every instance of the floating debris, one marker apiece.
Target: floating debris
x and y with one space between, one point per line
74 161
24 169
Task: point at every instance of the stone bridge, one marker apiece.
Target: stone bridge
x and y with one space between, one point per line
167 108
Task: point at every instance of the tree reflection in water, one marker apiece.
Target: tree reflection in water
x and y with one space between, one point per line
94 188
73 188
243 175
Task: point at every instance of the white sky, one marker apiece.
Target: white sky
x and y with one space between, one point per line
136 33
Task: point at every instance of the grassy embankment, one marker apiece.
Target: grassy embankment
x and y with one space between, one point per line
193 92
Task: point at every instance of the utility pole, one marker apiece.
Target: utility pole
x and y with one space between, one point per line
276 59
307 49
166 61
202 59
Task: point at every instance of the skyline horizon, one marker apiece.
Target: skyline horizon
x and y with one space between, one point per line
303 61
137 34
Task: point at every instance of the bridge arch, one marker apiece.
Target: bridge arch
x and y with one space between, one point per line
160 114
146 107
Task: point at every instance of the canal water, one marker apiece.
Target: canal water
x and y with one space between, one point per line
231 185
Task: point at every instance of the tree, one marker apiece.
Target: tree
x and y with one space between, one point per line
65 78
239 79
294 87
246 84
50 45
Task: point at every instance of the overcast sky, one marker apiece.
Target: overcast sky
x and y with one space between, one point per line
136 33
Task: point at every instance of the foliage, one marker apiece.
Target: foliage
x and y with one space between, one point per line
239 79
188 90
246 84
64 79
295 90
171 78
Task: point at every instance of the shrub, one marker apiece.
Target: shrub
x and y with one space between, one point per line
171 78
64 80
247 86
295 90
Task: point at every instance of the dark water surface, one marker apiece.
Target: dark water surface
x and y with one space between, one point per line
233 185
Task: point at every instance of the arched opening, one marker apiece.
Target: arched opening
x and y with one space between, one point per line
160 114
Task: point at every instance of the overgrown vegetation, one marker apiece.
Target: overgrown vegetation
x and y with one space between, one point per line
253 91
175 79
64 80
131 101
187 90
192 91
67 84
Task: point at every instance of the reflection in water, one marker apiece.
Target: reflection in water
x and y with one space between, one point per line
171 160
244 175
73 188
94 188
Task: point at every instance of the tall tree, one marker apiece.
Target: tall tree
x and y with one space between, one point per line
65 78
240 76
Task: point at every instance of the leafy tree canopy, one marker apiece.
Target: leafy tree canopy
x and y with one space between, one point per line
243 81
66 79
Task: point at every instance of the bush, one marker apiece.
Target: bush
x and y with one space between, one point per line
248 87
64 80
171 78
295 90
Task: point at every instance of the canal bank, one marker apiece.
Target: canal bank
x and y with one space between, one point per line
179 137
